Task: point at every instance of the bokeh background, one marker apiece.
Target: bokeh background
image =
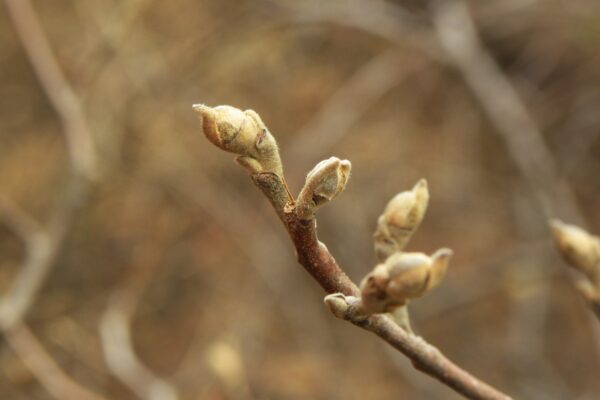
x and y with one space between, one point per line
174 279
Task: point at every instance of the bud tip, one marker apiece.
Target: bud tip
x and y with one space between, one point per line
422 184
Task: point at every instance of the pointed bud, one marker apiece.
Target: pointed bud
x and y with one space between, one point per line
580 249
400 219
243 133
403 276
323 183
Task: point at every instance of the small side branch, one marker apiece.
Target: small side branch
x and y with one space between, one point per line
59 92
124 363
43 242
459 39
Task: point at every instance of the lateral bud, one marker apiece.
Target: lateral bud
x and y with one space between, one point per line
579 249
242 133
337 304
402 277
400 219
323 183
346 307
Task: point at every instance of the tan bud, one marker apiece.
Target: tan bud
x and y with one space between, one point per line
400 219
580 249
337 304
403 276
243 133
323 183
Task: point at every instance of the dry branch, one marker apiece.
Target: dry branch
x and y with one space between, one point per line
454 41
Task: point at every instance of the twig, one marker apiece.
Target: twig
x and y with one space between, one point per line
459 39
454 42
56 87
25 227
245 134
44 368
124 363
44 242
349 103
115 334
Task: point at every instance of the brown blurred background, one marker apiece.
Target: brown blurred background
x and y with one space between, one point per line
173 277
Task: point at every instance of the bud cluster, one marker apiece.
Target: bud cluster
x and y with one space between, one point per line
401 276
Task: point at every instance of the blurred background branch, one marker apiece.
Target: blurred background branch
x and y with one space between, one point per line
42 244
115 331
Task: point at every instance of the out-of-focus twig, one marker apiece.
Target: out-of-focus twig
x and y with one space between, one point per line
59 92
499 99
44 242
124 363
40 248
258 153
44 368
115 333
346 106
378 17
459 39
20 222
